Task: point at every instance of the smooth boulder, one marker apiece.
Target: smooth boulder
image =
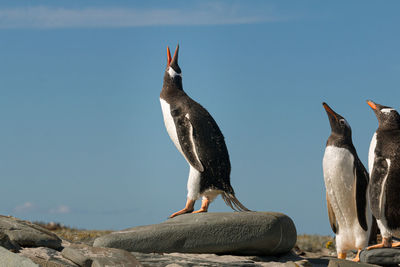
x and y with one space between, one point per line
381 256
239 233
27 234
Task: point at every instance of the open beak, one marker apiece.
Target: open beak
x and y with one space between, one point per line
168 56
371 104
329 110
175 58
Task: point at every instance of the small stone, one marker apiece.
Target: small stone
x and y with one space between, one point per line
27 234
10 259
5 242
190 260
47 257
347 263
240 233
77 256
84 255
381 256
105 262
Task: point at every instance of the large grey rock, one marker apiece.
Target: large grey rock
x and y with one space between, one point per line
9 259
47 257
28 234
242 233
87 256
381 256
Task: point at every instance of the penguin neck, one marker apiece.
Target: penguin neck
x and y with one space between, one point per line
340 141
389 126
171 87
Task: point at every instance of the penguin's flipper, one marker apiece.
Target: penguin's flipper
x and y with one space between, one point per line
332 217
184 130
360 194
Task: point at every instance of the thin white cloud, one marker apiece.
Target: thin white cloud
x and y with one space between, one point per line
26 207
32 207
116 17
62 209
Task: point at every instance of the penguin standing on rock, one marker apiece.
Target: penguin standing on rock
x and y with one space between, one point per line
384 167
346 182
198 137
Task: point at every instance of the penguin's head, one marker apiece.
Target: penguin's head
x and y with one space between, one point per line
339 125
388 117
173 73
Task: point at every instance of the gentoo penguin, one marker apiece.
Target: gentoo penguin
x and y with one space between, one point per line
384 168
346 183
198 137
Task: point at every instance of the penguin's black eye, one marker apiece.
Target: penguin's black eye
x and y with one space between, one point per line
342 122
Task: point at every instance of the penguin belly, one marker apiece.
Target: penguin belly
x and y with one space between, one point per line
194 180
340 182
371 153
170 124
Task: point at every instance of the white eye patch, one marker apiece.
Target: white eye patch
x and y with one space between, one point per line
386 110
172 73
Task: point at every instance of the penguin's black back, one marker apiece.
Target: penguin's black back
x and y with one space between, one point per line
208 138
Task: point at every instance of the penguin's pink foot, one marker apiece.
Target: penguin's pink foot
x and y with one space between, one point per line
182 211
342 255
386 243
204 206
375 246
396 245
357 258
200 210
188 208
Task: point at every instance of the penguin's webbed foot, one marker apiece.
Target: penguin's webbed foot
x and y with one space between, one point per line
375 246
189 207
342 255
396 245
204 205
386 243
182 211
200 211
357 258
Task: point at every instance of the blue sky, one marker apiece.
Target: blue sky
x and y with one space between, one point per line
82 138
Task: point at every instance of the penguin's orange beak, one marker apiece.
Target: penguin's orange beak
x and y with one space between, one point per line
168 57
328 109
371 104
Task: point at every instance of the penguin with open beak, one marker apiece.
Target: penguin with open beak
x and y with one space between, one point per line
197 136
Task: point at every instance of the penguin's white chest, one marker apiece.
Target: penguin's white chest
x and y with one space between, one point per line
340 182
338 165
371 154
170 124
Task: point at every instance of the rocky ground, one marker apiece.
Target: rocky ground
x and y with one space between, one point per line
54 245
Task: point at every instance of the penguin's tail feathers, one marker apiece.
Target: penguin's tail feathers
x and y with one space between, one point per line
233 202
